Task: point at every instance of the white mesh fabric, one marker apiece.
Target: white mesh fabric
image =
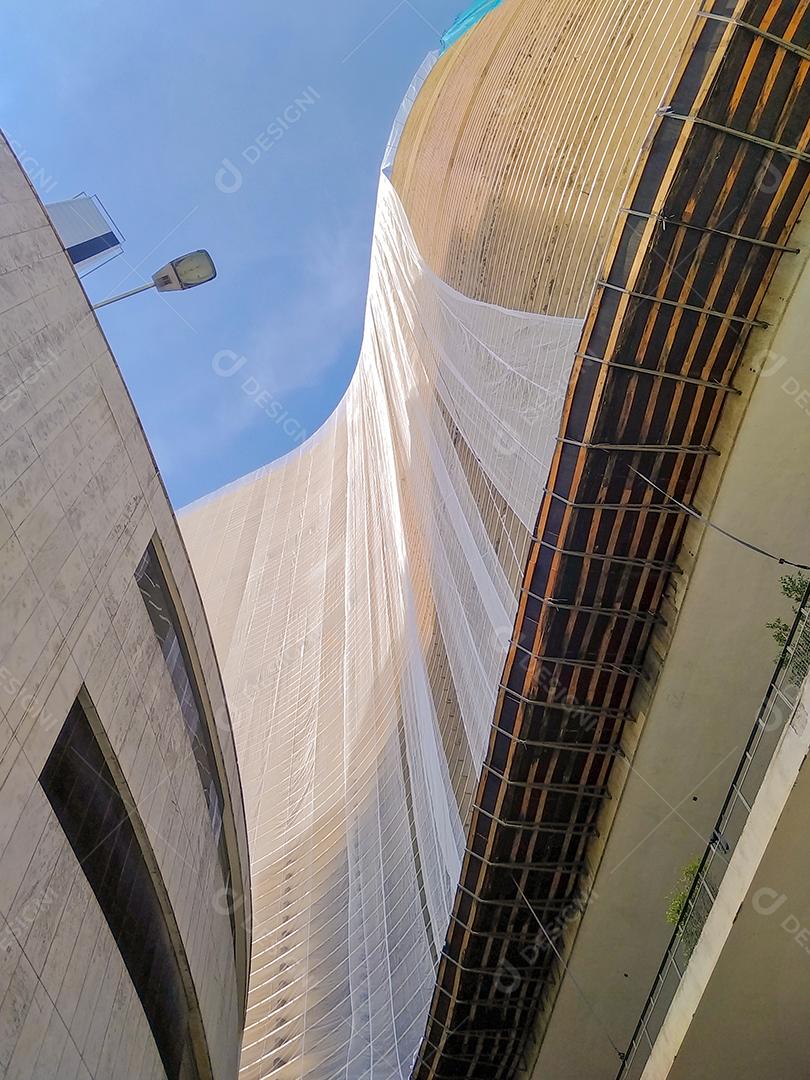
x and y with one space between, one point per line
405 107
328 577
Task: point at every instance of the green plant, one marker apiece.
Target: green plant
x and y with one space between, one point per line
690 926
794 587
677 898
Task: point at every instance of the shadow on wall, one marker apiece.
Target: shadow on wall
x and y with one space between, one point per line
511 259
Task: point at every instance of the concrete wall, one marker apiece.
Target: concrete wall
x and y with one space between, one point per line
80 499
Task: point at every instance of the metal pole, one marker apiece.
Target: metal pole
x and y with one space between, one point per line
123 295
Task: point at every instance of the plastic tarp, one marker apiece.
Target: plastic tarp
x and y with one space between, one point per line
361 615
466 20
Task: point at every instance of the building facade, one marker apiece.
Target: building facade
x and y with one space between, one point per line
363 592
472 631
642 639
492 640
362 614
124 890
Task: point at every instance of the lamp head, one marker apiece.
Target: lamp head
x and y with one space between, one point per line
185 272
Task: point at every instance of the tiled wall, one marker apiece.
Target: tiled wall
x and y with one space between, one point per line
79 501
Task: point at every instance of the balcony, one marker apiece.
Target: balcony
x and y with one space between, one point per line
773 721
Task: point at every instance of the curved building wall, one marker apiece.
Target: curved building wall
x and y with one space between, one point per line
517 153
354 590
362 591
519 148
654 368
119 818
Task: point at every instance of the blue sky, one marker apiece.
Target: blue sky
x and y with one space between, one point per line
141 104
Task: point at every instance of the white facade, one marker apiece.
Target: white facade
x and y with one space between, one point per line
362 613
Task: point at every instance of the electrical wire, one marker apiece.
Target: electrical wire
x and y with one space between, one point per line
711 525
567 970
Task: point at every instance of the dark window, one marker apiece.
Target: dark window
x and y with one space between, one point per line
155 593
84 796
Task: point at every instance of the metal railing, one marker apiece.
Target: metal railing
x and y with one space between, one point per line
775 713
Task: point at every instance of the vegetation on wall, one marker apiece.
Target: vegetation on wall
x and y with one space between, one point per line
794 587
677 898
691 926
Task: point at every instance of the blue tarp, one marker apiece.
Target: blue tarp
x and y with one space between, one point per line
466 20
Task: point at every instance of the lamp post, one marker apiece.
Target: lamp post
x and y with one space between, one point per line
184 273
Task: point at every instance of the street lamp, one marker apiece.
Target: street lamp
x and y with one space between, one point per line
184 273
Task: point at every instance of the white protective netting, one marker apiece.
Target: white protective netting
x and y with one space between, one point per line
327 577
417 82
